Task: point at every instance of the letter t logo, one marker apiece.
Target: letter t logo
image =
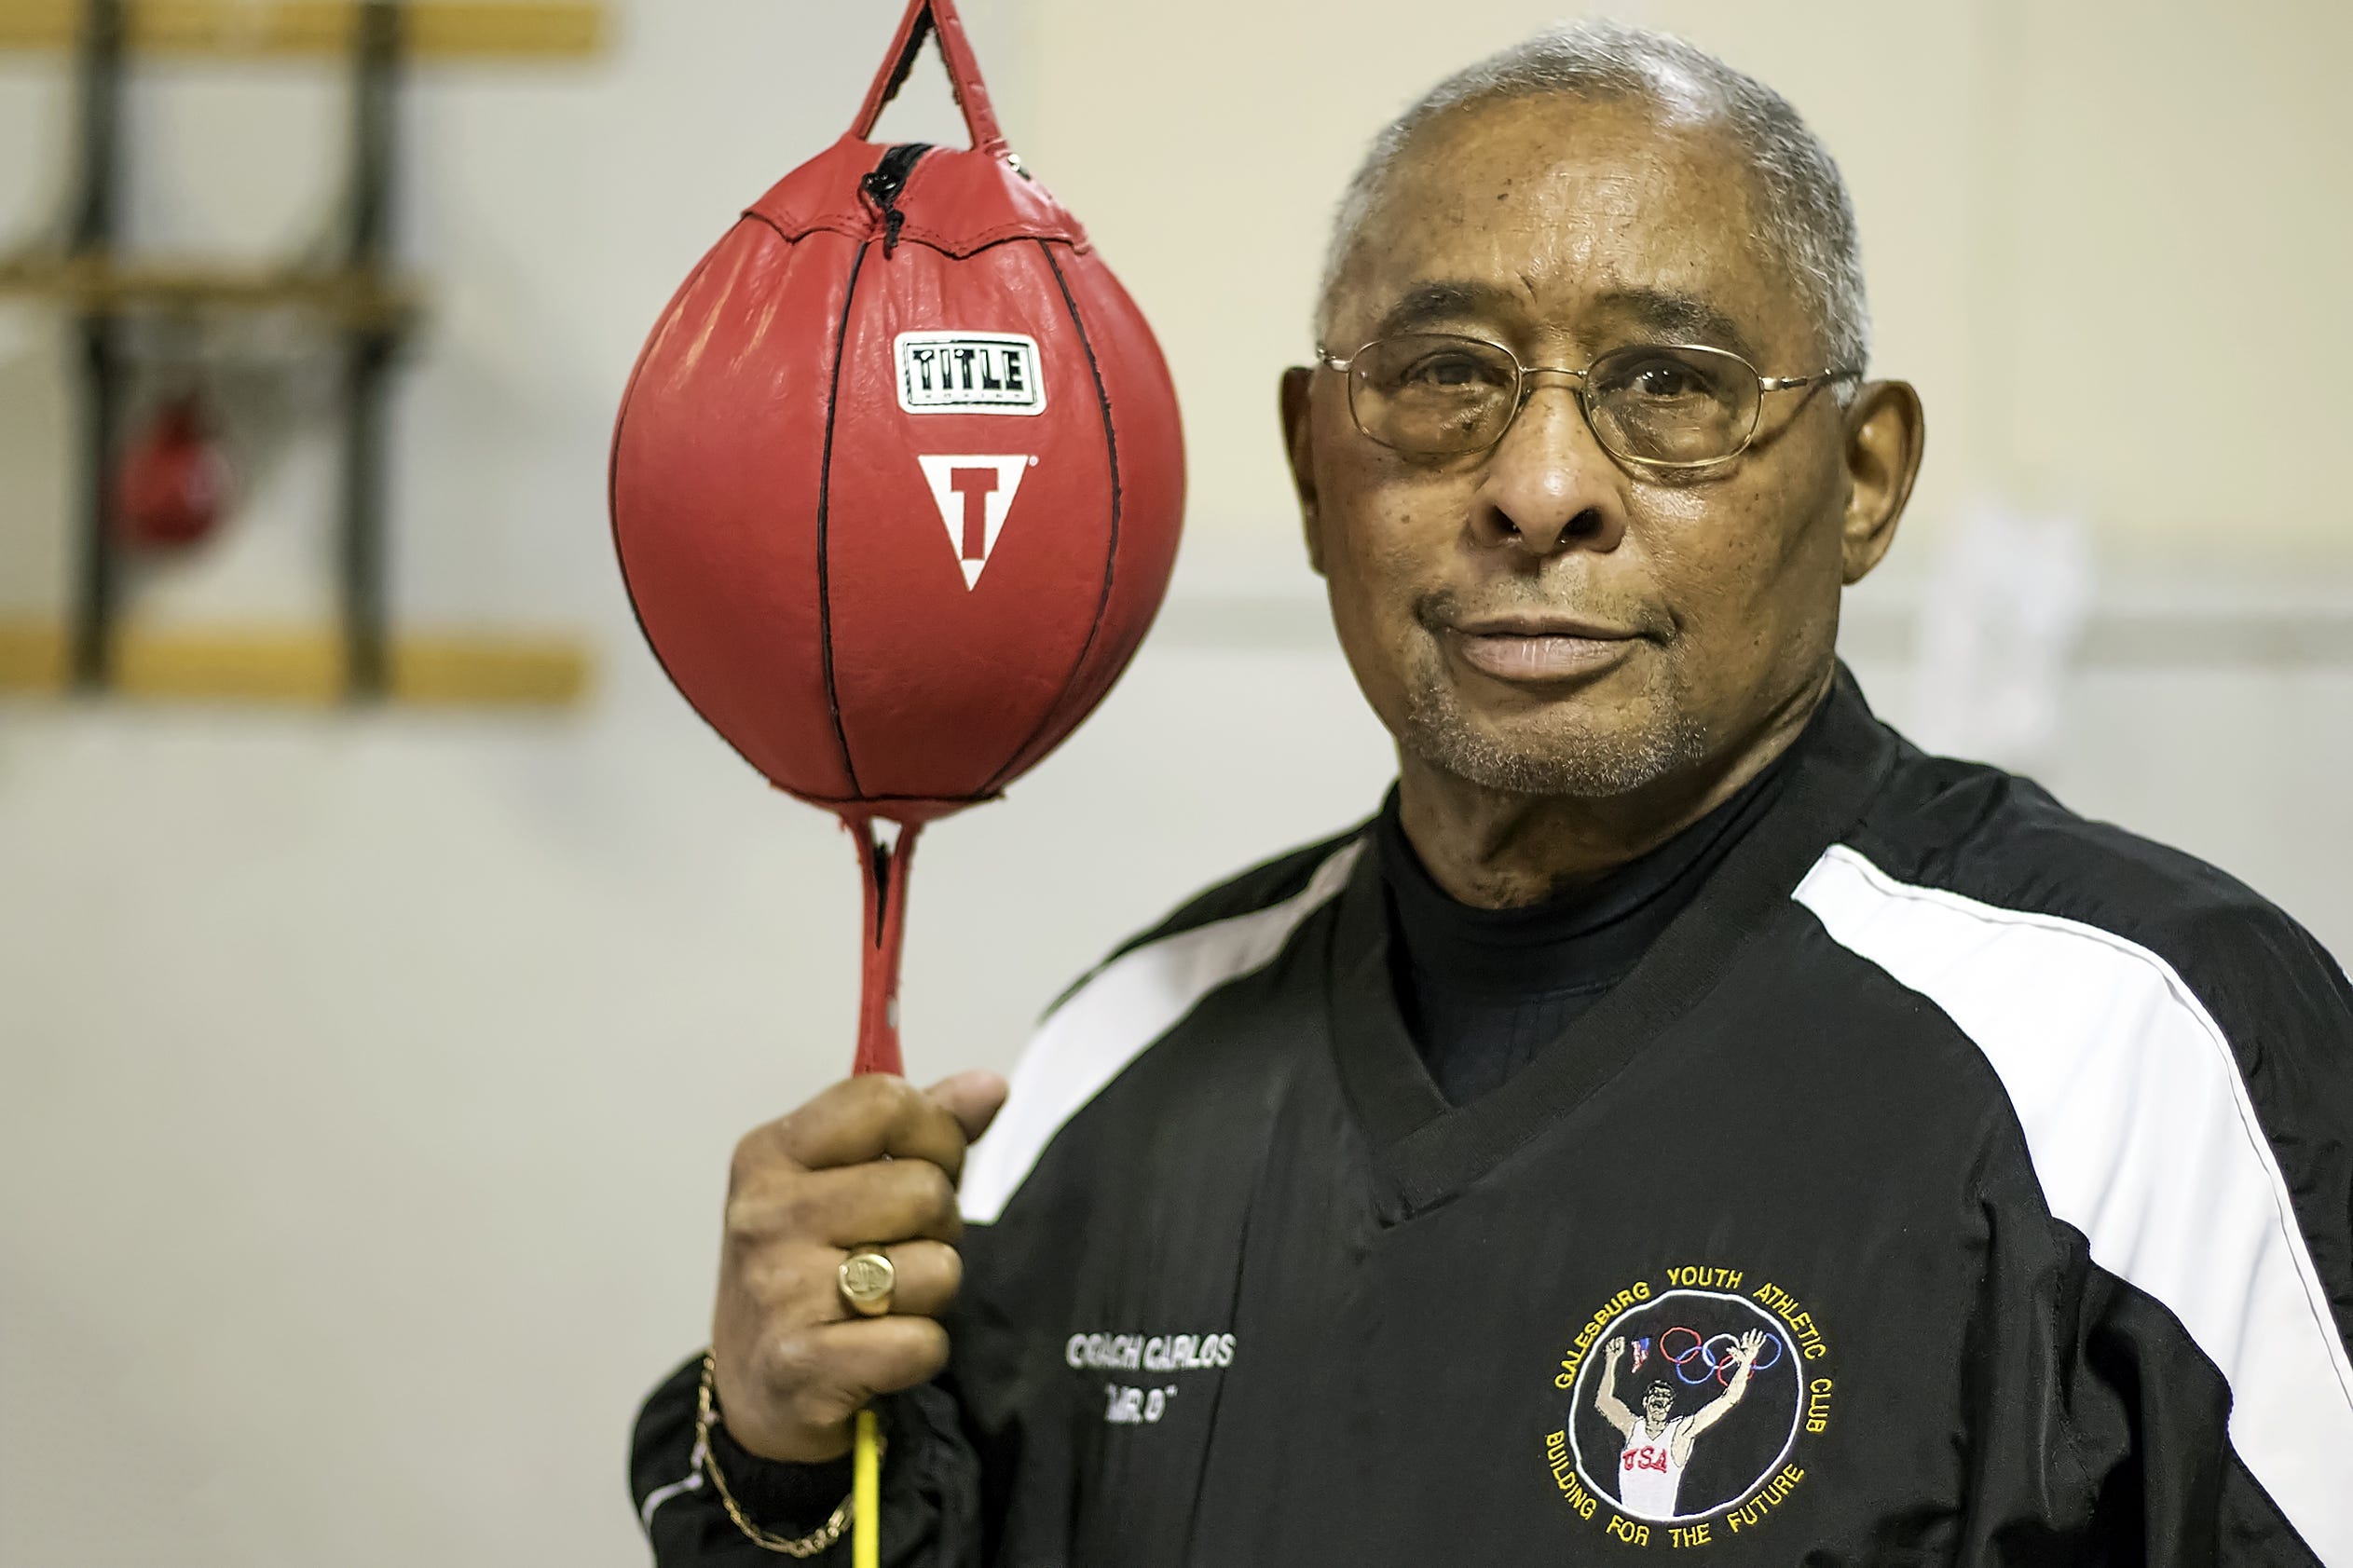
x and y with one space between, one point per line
974 494
975 486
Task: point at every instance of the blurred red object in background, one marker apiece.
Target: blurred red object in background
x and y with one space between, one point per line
174 482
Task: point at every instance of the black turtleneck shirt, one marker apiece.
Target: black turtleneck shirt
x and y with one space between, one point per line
1482 991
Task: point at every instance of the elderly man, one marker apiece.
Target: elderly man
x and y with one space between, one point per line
1996 1161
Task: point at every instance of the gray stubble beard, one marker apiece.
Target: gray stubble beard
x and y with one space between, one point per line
1591 767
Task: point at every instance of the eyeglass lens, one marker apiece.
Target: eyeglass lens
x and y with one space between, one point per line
1434 394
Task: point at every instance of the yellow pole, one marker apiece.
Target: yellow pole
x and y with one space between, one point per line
866 1487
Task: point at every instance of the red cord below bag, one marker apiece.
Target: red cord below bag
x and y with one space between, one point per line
885 867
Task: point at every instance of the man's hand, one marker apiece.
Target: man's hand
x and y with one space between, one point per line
870 1162
1614 1349
1748 1347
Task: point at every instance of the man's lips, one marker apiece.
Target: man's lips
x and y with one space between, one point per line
1538 647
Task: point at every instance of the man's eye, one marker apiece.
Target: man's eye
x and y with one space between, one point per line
1665 380
1443 370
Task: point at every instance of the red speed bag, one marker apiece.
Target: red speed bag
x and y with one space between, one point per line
896 481
173 481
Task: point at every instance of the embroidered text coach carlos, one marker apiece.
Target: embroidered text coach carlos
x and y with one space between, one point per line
1687 1118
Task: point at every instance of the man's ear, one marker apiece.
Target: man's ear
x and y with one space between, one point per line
1298 441
1886 431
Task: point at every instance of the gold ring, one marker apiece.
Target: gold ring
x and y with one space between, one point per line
868 1278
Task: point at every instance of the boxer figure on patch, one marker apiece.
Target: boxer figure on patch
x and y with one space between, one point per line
1658 1441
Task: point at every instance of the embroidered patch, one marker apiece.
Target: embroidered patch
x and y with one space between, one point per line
1684 1402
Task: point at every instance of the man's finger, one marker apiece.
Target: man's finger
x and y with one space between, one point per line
929 1273
862 1206
871 1355
806 1287
865 1118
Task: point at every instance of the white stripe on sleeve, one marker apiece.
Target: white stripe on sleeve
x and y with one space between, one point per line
1107 1022
2144 1139
690 1482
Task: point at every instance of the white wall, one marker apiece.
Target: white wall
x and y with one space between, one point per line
366 1081
2101 238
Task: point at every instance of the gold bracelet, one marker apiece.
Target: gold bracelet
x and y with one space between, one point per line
706 1416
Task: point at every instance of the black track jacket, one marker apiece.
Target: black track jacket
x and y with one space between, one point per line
1955 1182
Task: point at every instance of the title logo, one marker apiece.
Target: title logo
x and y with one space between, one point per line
968 372
974 494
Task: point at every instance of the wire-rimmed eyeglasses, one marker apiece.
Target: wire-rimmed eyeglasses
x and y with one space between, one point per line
1668 406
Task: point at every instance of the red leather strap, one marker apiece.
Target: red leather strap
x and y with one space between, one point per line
923 17
880 939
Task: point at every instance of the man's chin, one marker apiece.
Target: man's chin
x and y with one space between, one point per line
1557 751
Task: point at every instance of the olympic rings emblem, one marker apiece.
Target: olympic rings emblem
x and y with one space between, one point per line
1714 1363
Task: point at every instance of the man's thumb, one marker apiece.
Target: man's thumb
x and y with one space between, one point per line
972 1098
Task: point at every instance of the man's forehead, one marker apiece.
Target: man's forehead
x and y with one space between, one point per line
1559 213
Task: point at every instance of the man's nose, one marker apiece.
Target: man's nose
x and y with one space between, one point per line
1549 485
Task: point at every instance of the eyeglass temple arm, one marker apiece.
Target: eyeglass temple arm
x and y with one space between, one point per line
1790 383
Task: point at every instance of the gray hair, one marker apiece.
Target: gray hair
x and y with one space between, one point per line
1804 211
